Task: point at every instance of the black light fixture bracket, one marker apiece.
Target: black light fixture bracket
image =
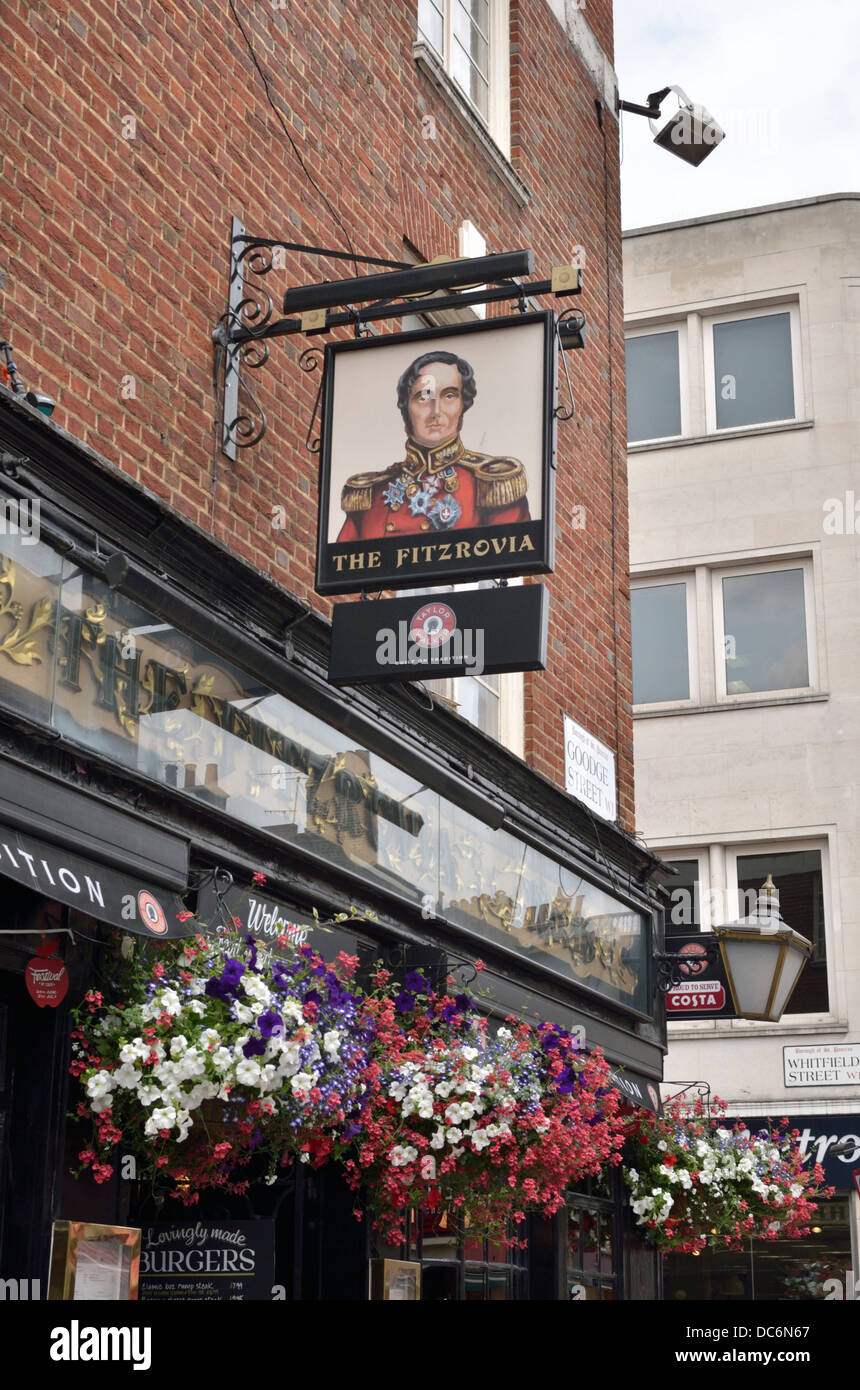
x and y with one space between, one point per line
652 110
673 968
242 333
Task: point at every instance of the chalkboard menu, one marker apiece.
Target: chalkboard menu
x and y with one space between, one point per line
209 1261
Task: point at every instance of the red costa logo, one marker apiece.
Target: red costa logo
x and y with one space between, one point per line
433 625
152 912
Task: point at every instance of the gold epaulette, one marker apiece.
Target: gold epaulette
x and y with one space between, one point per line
499 482
357 495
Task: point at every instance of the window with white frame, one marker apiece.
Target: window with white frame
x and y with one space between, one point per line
752 368
663 629
763 618
471 41
759 639
748 362
720 883
655 399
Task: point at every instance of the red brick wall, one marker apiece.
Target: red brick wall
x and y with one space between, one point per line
114 262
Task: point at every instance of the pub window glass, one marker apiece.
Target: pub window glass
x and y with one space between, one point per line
661 655
798 877
753 374
653 386
591 1270
765 637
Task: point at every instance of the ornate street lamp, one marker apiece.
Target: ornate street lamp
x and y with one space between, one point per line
762 957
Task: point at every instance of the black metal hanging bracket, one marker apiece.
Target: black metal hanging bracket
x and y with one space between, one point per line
242 333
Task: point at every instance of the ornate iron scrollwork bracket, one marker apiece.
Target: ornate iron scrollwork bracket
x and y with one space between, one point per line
241 333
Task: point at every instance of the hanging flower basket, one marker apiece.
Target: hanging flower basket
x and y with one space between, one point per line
212 1055
696 1183
483 1126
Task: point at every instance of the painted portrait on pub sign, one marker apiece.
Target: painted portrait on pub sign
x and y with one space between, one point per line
436 456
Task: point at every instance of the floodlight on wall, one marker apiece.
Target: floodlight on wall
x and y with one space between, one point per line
691 132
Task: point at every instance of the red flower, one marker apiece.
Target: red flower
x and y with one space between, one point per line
184 916
258 879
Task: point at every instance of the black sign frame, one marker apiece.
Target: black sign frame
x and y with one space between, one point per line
492 631
455 556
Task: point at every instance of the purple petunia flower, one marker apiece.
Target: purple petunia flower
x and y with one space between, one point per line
270 1024
404 1002
254 1047
415 982
232 972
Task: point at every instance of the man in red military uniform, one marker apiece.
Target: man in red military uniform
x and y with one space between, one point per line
440 485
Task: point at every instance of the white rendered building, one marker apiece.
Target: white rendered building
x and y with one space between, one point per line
743 381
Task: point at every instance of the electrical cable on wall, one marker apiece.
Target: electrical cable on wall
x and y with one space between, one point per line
297 152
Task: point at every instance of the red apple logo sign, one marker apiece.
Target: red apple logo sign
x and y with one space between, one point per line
46 977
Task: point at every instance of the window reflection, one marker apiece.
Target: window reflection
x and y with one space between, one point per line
112 676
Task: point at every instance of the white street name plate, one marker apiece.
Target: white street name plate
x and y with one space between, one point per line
822 1064
589 770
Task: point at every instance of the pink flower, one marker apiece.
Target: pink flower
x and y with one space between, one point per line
184 916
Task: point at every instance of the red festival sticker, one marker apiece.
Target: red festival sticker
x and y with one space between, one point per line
433 625
46 977
152 912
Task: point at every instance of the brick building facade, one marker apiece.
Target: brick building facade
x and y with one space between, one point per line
132 135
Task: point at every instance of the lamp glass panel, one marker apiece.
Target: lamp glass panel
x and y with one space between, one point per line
791 967
752 963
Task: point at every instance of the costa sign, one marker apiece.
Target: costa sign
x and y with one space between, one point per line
703 991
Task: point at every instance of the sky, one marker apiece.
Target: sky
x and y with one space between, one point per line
782 78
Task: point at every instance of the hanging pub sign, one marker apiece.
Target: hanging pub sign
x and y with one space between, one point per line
468 493
464 633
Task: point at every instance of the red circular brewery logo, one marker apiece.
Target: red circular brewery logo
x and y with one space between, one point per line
433 625
696 961
152 912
